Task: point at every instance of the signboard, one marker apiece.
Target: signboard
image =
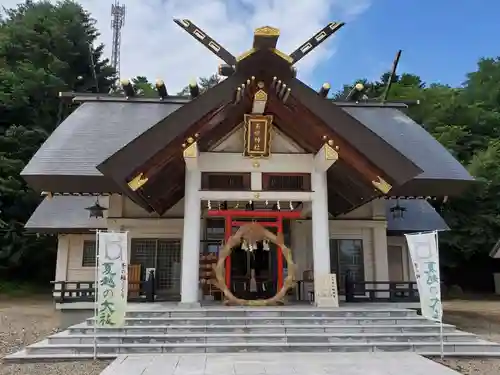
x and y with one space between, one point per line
258 135
112 287
326 291
424 253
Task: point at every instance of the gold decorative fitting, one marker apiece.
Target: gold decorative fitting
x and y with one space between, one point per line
330 142
184 145
137 182
260 96
256 195
324 137
244 55
190 140
382 185
260 85
283 55
191 151
267 31
197 135
330 153
256 164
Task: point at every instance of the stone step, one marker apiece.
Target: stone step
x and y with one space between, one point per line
23 357
256 328
271 312
209 338
248 320
432 348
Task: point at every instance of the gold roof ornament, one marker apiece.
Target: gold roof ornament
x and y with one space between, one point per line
260 95
137 182
330 153
191 151
382 185
267 31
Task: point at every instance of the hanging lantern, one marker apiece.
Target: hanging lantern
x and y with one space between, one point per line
96 210
397 211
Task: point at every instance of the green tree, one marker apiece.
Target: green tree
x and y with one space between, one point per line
143 87
45 48
204 84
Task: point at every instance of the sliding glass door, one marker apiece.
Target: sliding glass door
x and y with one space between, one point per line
347 255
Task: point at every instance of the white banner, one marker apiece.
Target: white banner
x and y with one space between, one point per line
112 279
424 253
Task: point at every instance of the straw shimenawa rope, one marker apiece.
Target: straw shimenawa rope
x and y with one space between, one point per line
254 232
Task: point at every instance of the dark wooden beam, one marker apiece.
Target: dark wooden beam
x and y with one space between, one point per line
164 156
291 126
207 41
166 203
313 125
396 166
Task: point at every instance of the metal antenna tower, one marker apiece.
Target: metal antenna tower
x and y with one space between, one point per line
117 23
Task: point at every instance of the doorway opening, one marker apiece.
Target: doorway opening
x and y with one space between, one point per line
259 273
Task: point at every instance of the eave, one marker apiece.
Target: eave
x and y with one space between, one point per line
379 152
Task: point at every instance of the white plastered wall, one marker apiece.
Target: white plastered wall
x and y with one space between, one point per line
400 241
363 223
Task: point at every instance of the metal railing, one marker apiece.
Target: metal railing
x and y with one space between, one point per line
84 291
380 291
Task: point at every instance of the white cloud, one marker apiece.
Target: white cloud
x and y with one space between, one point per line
154 46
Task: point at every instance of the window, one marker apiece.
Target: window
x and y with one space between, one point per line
225 181
89 250
162 255
347 255
286 182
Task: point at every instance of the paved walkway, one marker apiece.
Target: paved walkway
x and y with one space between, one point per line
277 364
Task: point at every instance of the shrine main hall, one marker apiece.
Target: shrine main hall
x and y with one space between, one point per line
254 190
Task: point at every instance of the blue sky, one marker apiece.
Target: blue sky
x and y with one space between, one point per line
439 42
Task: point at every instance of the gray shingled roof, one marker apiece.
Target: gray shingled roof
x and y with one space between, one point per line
64 214
92 133
411 140
419 216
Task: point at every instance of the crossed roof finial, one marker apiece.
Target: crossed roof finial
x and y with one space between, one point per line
265 37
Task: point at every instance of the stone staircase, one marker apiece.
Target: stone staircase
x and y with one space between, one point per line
280 329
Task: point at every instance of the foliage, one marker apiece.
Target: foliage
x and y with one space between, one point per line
204 84
45 48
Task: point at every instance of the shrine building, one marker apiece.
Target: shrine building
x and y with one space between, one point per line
340 182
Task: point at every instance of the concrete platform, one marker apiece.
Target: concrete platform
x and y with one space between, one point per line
277 364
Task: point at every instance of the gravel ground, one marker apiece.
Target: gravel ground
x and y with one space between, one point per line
481 318
23 322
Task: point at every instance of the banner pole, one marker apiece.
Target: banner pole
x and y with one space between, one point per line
436 234
441 336
96 293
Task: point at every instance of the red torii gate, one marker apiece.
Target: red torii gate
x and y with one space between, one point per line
231 217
